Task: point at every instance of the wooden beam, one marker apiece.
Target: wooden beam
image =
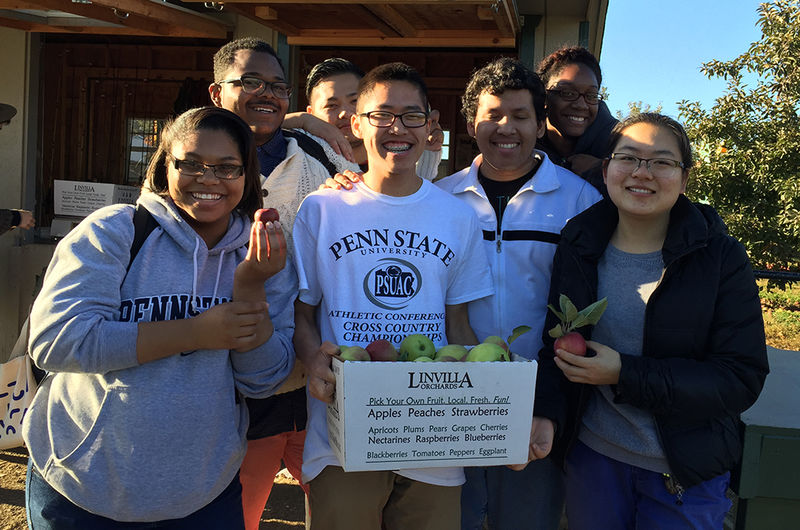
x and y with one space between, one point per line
510 15
349 2
266 12
392 18
377 22
485 13
424 38
252 13
202 25
90 11
76 30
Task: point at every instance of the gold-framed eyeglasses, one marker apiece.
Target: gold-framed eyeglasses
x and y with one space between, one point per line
658 167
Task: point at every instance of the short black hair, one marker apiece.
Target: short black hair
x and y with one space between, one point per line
498 76
329 68
556 61
658 120
209 118
226 55
393 72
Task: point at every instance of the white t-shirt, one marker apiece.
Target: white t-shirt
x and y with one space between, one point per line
382 267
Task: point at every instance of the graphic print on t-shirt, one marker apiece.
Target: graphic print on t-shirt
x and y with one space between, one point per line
391 265
385 267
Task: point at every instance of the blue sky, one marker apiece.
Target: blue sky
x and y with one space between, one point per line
652 50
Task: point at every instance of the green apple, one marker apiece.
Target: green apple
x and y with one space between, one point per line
494 339
456 351
486 352
423 359
417 345
354 353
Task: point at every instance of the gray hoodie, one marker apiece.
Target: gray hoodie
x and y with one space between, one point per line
160 440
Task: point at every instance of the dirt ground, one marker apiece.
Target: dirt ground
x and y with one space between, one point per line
285 509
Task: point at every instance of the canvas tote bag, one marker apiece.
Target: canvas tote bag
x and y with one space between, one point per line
17 387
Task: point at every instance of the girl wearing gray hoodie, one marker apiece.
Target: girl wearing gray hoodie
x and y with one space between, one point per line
141 418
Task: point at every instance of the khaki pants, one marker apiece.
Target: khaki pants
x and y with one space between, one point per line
365 499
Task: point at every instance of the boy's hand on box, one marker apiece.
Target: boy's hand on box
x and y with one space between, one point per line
321 381
541 442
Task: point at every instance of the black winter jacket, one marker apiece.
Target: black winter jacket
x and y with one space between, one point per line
704 354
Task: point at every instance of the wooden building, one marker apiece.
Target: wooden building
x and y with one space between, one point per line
93 80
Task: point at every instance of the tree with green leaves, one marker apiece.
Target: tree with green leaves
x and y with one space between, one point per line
637 107
748 144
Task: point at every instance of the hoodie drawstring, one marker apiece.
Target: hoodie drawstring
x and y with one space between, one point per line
194 274
219 272
192 305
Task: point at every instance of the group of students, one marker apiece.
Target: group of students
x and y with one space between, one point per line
154 361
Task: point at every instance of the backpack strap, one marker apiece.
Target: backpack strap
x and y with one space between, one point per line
143 224
311 147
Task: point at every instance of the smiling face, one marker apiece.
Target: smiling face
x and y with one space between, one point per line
205 202
394 150
571 118
637 194
264 112
506 129
334 101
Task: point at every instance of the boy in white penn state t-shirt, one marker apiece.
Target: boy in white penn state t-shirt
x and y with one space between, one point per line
392 224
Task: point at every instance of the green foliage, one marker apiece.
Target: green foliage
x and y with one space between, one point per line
637 107
748 143
781 309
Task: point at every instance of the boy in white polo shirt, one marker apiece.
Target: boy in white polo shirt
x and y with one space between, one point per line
392 224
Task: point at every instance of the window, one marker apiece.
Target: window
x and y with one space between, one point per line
143 135
446 145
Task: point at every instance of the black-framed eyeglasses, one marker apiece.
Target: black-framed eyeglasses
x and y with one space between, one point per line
193 168
591 98
384 118
658 167
257 86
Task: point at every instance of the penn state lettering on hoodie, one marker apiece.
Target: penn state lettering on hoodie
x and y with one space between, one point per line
158 440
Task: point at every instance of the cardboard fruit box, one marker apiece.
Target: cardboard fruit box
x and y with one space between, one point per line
398 415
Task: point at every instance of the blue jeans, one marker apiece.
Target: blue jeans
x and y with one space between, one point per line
47 509
605 493
513 500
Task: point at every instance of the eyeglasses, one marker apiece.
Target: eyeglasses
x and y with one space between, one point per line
658 167
383 118
256 85
193 168
591 98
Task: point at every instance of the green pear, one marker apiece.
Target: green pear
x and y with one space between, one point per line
486 352
417 345
456 351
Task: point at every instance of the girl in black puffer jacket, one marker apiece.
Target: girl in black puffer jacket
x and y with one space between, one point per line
649 424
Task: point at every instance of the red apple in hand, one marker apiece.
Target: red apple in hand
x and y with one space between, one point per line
570 318
267 215
572 342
